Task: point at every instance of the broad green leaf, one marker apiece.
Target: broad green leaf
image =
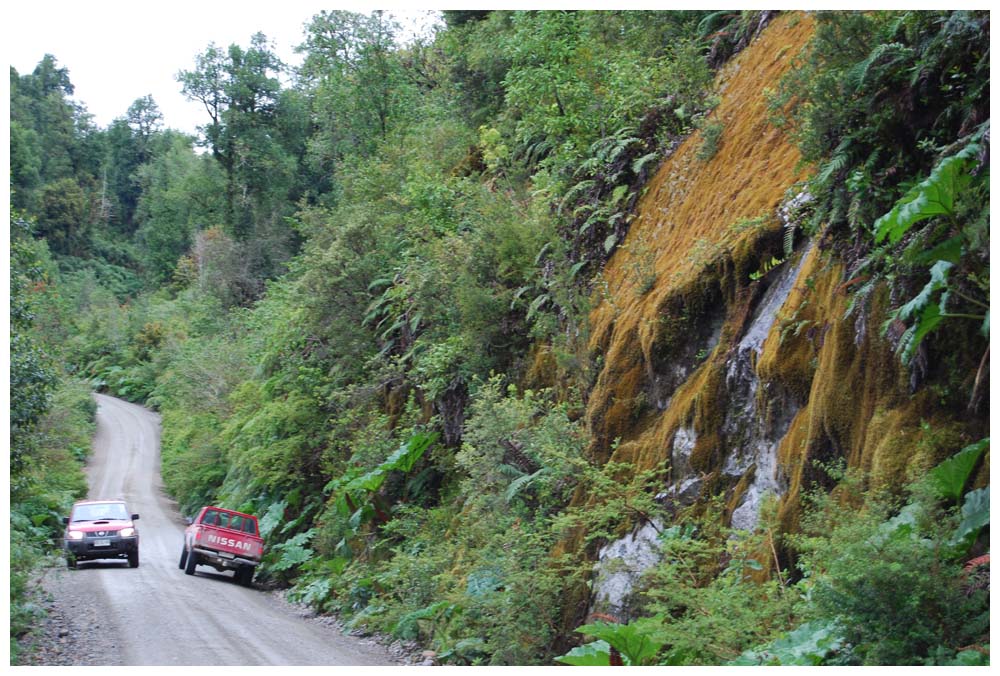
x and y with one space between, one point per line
934 196
633 644
950 477
901 526
808 645
939 279
950 250
272 517
975 515
596 654
407 455
929 320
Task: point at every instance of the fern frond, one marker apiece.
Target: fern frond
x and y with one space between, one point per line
837 163
641 162
856 77
860 297
789 241
521 483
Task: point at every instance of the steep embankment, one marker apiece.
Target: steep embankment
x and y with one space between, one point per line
679 296
740 385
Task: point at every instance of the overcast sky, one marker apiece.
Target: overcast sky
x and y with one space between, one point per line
118 51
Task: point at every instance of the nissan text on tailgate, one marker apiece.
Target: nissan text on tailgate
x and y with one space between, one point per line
225 540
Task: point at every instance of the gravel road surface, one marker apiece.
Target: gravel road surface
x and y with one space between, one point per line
105 613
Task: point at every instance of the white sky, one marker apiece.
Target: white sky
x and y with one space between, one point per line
118 51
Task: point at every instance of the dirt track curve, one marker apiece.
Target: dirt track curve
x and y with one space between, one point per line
156 614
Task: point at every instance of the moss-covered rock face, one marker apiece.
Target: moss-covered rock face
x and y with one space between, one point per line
743 382
678 368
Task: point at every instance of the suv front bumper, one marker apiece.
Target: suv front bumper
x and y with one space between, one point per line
112 547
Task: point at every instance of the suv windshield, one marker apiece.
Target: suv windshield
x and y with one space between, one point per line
100 511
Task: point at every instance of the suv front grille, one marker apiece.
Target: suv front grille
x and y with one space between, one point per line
101 534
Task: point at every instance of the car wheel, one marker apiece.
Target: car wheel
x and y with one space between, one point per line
184 556
192 561
133 559
244 576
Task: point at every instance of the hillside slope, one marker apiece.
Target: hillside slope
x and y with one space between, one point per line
737 373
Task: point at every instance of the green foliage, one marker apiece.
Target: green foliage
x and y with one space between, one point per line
883 164
949 477
635 647
705 586
808 645
519 450
889 579
42 493
934 196
975 515
371 257
711 132
766 268
291 553
356 496
594 654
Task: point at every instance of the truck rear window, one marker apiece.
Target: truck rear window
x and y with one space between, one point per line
231 521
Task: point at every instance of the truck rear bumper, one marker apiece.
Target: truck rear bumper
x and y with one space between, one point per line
214 558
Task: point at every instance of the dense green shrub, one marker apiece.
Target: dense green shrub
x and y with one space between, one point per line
890 577
47 488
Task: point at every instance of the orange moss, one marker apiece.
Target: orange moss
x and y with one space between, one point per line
854 397
857 403
684 230
542 370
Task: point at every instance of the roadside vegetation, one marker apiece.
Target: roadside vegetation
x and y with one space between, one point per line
361 303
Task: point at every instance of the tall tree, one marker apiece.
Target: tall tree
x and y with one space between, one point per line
180 194
352 63
130 144
239 89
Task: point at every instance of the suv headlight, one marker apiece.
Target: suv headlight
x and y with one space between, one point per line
75 535
127 532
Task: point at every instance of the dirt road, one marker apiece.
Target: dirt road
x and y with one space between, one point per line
157 615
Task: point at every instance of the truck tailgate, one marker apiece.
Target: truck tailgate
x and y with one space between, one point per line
227 541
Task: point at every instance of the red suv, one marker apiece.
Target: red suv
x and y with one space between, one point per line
101 529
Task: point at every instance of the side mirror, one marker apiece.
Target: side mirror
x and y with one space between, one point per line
135 517
65 520
189 520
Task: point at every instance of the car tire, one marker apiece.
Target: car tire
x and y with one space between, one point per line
133 559
184 556
244 576
192 561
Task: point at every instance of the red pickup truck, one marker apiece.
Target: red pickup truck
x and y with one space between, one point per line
225 540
